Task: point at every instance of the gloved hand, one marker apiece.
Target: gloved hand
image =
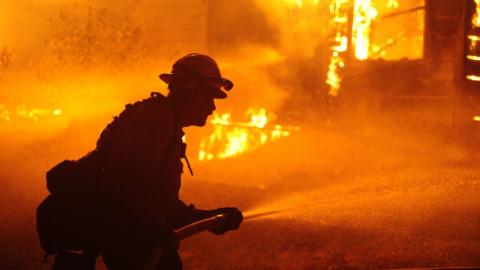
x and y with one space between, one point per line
230 220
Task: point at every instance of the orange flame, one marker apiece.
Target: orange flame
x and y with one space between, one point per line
301 3
4 113
393 4
230 138
473 78
22 111
364 14
474 47
476 17
339 25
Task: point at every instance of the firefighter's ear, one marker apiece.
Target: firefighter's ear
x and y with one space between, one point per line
199 94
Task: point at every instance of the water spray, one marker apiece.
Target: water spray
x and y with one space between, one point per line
251 215
205 225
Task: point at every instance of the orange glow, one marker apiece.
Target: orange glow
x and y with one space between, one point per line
393 4
474 47
473 57
34 114
57 112
476 17
364 14
301 3
475 24
396 30
4 113
382 173
339 25
473 78
230 138
474 38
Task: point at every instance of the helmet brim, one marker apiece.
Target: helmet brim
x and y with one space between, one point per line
217 84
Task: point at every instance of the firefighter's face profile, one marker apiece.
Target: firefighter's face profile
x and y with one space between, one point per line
203 105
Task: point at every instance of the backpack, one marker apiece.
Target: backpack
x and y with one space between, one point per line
70 218
66 218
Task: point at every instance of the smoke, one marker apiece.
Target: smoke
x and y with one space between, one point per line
378 183
104 53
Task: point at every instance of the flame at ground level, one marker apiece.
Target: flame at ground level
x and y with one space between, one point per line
22 111
231 138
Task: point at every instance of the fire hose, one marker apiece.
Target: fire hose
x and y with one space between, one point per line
195 228
183 233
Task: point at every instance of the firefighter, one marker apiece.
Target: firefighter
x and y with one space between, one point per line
147 160
140 155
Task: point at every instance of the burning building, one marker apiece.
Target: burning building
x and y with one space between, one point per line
291 135
406 53
379 55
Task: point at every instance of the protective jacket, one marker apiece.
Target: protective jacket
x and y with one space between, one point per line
141 152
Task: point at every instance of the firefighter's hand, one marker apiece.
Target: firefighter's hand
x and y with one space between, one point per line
230 220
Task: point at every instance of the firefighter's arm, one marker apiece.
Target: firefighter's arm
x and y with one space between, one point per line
184 215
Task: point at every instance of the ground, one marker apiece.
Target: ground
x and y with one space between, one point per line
362 197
